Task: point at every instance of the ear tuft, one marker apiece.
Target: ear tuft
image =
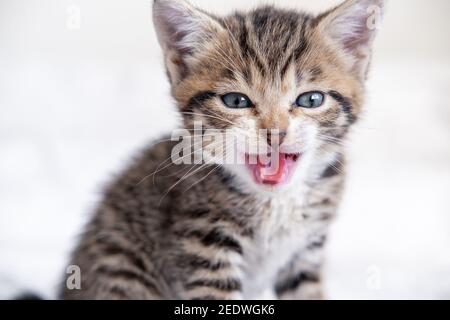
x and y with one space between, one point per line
176 24
353 26
182 30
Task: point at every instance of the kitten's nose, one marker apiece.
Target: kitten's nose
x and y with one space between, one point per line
276 138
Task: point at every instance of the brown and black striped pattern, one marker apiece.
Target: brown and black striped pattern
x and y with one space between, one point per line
164 231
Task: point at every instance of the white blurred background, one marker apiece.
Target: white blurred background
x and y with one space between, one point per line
82 89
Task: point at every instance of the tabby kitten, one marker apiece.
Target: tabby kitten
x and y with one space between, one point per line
234 230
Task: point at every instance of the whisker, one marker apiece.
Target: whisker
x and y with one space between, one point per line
209 173
184 177
208 116
159 169
206 176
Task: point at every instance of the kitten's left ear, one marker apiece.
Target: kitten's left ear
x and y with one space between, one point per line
182 31
353 26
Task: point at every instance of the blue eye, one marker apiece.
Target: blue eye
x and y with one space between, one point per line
310 100
236 100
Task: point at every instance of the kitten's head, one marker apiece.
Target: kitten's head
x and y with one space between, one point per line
290 82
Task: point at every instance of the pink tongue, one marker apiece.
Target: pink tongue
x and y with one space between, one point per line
272 173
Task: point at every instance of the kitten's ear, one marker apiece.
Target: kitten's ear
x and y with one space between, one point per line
353 26
182 31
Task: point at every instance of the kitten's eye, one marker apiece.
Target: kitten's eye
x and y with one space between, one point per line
236 100
310 100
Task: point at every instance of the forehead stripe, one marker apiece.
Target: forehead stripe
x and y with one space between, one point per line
245 45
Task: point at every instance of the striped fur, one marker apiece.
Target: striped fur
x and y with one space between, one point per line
165 231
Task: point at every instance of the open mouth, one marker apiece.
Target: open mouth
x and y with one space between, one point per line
272 169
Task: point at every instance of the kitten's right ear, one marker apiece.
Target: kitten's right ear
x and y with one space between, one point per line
353 26
182 31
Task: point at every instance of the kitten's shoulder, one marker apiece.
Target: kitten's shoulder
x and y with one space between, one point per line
150 163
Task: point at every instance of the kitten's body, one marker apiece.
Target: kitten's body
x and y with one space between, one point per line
136 241
166 231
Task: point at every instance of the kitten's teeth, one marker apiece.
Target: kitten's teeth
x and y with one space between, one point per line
274 172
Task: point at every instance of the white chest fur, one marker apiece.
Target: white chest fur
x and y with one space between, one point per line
282 234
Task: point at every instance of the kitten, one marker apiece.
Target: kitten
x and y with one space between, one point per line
234 230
